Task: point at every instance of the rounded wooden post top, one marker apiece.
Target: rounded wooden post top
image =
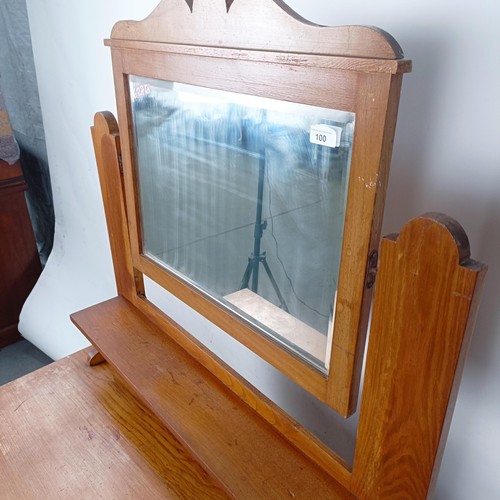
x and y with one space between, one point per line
445 226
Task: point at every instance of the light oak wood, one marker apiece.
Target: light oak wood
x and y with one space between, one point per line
266 409
426 293
425 305
376 113
241 450
106 141
365 83
256 25
312 60
94 358
414 363
292 366
70 431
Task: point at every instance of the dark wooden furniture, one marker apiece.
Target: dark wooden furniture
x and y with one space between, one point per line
19 261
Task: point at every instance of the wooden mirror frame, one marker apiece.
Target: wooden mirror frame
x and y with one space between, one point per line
213 44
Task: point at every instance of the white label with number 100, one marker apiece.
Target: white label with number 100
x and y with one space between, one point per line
325 135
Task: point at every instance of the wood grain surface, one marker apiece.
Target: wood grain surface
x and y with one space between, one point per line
263 48
249 23
373 96
106 139
249 457
70 431
425 305
426 294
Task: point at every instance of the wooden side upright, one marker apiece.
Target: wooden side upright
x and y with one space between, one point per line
106 141
425 305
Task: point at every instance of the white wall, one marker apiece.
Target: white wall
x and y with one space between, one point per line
446 158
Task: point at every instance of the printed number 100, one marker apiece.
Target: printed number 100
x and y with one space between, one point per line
321 137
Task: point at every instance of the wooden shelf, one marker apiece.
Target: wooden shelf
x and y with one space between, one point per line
235 445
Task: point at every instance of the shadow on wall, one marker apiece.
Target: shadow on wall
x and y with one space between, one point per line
476 417
414 132
446 176
483 211
409 194
40 204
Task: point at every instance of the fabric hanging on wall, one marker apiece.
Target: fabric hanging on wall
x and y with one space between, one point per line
18 84
9 149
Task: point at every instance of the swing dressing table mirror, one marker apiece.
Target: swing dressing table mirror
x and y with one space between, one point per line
232 141
247 177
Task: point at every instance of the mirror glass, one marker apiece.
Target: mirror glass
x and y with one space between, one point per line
244 198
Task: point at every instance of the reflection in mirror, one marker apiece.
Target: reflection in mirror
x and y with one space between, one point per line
244 198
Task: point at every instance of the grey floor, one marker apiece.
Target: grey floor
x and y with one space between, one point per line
19 359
